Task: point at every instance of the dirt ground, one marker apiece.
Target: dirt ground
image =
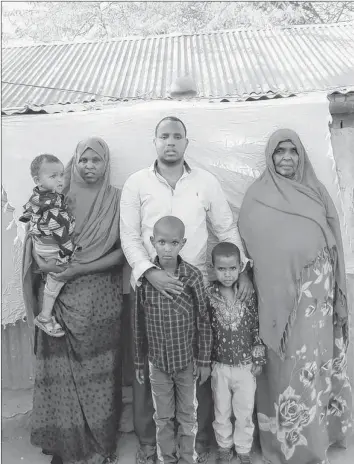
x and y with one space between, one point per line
20 451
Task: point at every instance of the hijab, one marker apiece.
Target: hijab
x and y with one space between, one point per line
284 224
96 210
95 206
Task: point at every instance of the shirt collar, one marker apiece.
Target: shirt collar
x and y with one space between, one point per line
182 269
186 168
214 291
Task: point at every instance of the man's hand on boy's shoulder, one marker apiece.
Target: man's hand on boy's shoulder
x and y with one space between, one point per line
166 283
245 287
139 374
203 373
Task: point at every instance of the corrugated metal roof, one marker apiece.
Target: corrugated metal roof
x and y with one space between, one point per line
224 64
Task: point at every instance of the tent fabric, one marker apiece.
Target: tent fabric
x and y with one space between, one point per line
227 139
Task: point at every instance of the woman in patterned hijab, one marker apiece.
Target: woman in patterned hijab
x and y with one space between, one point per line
291 230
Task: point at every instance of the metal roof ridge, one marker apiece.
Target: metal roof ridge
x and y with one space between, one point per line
184 34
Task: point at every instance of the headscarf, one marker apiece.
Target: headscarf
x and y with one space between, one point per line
284 224
96 208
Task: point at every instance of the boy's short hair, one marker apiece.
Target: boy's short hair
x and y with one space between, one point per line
172 222
225 249
171 118
39 160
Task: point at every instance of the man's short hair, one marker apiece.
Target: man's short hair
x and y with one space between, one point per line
39 160
225 249
171 118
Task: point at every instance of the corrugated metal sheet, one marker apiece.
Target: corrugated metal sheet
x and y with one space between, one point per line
224 64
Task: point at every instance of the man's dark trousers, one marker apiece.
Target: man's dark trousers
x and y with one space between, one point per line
143 411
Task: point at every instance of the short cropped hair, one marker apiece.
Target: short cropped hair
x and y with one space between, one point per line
39 160
172 222
225 249
171 118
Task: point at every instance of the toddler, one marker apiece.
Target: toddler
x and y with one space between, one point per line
51 226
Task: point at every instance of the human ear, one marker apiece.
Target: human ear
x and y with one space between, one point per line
36 180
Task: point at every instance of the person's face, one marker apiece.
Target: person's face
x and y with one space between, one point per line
286 159
51 177
167 243
91 166
170 142
227 269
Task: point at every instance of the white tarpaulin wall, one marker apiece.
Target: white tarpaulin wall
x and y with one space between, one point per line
227 139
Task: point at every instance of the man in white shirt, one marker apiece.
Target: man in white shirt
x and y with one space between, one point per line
171 187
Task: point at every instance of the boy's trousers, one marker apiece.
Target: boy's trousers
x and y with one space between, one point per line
174 396
233 391
143 410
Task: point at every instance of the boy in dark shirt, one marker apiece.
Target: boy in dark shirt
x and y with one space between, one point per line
238 355
176 335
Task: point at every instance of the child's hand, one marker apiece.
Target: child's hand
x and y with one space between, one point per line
139 374
203 373
256 370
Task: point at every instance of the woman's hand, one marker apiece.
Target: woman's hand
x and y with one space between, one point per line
73 270
47 266
245 287
164 282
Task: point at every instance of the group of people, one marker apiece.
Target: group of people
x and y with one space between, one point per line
271 329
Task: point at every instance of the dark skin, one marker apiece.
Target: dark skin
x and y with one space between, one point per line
91 168
168 239
68 272
171 143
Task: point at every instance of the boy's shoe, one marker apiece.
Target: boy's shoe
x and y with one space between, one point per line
245 458
224 456
142 458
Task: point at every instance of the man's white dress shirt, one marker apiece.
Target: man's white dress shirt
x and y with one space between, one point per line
147 197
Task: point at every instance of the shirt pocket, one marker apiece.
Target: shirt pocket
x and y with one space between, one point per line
183 303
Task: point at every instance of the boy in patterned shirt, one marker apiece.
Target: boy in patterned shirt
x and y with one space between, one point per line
238 355
176 336
51 226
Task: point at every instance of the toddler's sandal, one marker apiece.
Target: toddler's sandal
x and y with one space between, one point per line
49 326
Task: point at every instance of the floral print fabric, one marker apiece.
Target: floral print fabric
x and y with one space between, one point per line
304 401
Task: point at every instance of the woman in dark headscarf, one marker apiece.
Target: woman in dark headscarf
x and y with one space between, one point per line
77 393
291 231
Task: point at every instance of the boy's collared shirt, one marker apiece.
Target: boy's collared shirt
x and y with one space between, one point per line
235 330
173 332
147 196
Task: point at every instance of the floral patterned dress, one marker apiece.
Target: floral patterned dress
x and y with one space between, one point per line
304 400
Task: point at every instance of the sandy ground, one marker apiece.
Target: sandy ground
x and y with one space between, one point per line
20 451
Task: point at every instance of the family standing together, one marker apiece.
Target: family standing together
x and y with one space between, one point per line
270 332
